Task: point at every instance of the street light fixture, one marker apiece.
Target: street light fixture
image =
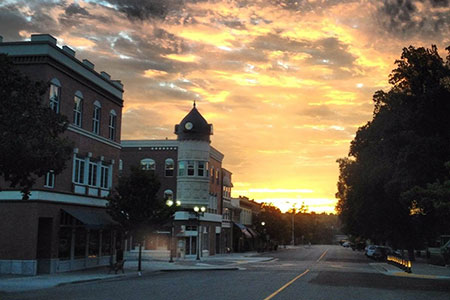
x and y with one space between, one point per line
199 211
170 203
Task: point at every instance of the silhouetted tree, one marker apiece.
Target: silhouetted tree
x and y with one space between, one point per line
403 146
30 132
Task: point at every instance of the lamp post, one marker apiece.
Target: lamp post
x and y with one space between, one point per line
199 211
170 203
263 224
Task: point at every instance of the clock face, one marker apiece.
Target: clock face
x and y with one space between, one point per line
188 125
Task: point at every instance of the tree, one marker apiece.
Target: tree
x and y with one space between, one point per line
136 206
404 146
30 132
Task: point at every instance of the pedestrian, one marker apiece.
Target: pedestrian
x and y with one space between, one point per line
119 254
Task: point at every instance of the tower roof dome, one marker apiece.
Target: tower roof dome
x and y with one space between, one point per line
194 127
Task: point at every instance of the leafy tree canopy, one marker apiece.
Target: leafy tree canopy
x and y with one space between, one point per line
405 145
135 203
30 132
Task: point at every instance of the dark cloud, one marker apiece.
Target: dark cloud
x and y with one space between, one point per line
406 18
75 9
147 9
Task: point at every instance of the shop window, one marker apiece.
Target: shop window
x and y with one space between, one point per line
106 242
65 240
80 243
94 245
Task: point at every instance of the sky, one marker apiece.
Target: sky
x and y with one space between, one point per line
286 84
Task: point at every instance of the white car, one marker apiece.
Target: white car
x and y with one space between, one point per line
346 244
370 250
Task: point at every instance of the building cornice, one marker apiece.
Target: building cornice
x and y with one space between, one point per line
150 144
54 197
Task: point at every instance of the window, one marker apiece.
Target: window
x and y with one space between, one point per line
55 94
190 168
92 175
169 167
148 164
96 118
217 176
77 109
181 168
50 179
212 174
112 125
201 168
78 170
168 195
104 176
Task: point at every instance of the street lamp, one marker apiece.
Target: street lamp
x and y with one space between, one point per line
199 211
170 203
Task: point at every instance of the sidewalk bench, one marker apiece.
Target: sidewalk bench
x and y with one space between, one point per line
117 266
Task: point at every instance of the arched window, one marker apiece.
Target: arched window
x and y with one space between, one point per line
168 195
55 94
77 108
96 117
169 167
112 124
148 164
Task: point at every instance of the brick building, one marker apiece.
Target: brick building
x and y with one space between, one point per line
190 171
64 225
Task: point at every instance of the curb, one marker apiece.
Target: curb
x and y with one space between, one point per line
400 273
201 269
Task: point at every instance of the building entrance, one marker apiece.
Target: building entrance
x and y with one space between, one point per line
191 245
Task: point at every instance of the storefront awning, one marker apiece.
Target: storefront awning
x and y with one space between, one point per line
254 233
244 230
95 219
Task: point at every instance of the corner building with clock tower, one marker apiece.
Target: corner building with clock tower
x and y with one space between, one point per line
191 174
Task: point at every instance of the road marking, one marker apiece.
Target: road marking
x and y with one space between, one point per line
323 254
285 286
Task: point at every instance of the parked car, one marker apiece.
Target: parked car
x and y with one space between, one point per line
370 249
381 253
346 244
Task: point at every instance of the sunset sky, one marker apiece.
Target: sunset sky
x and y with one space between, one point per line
285 83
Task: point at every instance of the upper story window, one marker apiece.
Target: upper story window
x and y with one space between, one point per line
168 195
201 168
190 168
50 179
78 170
169 167
104 176
112 125
92 175
77 108
148 164
217 176
212 174
96 117
55 95
181 168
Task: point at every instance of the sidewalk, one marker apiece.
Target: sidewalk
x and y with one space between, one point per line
419 269
233 261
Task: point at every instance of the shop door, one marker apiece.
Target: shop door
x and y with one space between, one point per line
44 245
191 245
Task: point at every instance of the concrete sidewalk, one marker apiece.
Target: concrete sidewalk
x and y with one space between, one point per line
234 261
419 269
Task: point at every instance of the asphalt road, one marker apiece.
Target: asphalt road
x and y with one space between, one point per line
319 272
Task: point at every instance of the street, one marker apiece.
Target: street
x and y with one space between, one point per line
316 272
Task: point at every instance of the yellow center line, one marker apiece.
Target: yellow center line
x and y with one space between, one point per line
285 286
323 254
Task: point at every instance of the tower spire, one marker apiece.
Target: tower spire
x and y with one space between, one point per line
195 104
